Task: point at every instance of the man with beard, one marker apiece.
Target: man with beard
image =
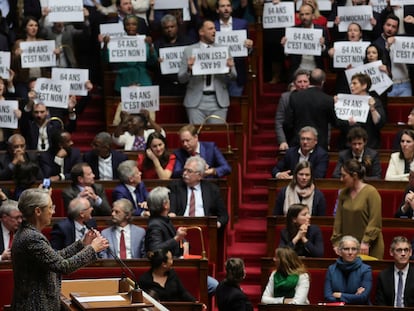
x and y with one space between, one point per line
57 162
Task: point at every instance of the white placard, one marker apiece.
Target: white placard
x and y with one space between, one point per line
324 5
75 77
403 50
7 117
360 14
112 30
378 5
127 49
401 2
210 60
349 53
355 106
5 65
279 15
176 4
303 41
38 53
66 11
234 40
171 59
52 93
136 98
380 80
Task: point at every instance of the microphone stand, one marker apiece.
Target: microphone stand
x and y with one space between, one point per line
213 116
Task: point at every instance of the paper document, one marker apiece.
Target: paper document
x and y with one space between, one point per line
100 298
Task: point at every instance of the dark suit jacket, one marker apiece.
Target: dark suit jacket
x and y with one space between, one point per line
385 293
1 241
230 296
409 213
122 192
314 246
160 235
50 168
72 192
209 152
319 159
213 203
92 159
372 171
63 233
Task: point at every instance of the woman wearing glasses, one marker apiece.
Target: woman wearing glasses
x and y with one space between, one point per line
348 280
359 211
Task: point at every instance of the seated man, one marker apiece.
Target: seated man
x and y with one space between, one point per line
72 228
357 139
125 239
102 159
217 165
193 196
10 220
131 188
83 185
307 150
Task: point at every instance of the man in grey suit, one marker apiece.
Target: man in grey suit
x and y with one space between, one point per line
206 94
124 232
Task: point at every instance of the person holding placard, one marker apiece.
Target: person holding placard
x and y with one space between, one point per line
206 94
318 18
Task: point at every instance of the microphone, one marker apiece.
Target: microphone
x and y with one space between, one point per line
203 249
213 116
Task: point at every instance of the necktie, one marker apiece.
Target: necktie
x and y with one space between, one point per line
208 77
122 246
399 289
82 231
10 239
192 203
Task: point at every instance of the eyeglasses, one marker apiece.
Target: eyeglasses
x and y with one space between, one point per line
189 171
15 217
306 138
400 250
347 249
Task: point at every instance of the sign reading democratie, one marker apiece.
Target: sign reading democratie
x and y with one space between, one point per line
7 116
171 59
403 50
355 106
127 49
211 60
303 41
360 14
349 53
5 65
234 40
38 54
65 11
75 77
279 15
380 80
112 30
136 98
52 93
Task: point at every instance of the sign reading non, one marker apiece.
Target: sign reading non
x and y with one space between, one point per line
360 14
75 77
52 93
136 98
127 49
279 15
349 53
211 60
7 116
171 59
66 11
5 65
234 40
38 54
303 41
352 106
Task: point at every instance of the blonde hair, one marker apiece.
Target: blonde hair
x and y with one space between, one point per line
289 262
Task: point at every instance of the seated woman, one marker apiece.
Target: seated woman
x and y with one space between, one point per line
289 283
161 281
299 234
399 165
229 295
301 190
348 280
408 125
157 162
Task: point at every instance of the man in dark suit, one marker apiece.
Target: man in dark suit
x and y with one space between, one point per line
391 291
357 139
102 159
217 165
405 210
122 210
57 162
10 220
83 185
73 228
131 188
311 107
308 150
228 23
205 195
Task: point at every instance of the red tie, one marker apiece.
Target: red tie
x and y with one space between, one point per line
192 203
10 239
122 246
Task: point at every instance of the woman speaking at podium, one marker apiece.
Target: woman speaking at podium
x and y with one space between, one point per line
36 265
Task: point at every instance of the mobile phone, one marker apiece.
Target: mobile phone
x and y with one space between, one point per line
46 183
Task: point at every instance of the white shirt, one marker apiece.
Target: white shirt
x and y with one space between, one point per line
228 26
105 168
199 210
127 236
5 7
6 237
78 231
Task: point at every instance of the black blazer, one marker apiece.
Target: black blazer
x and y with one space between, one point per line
63 233
231 297
50 168
92 159
160 235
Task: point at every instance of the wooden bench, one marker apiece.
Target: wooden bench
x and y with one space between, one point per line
391 227
391 193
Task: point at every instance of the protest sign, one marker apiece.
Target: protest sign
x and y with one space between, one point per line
211 60
65 11
127 49
75 77
360 14
7 117
171 59
136 98
403 50
303 41
52 93
5 65
234 40
349 53
279 15
38 53
355 106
